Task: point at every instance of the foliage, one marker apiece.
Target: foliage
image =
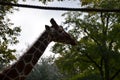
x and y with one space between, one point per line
8 34
97 54
45 70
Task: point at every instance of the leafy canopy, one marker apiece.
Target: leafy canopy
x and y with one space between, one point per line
97 54
8 34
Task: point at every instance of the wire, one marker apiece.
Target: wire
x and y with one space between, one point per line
60 8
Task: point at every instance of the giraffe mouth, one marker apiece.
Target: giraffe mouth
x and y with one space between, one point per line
73 42
70 40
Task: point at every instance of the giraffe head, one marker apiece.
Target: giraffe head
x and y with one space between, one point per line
58 34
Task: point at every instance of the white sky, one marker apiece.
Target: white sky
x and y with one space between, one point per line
32 22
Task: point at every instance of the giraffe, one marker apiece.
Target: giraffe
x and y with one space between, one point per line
20 69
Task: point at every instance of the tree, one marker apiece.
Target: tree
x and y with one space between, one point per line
45 70
8 34
97 54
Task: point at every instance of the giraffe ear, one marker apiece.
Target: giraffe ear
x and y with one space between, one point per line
47 27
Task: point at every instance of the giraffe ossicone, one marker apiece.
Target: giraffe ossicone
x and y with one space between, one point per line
20 69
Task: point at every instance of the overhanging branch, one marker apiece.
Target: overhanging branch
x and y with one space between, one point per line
114 76
92 60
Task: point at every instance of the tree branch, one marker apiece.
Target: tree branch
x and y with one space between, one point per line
112 78
92 60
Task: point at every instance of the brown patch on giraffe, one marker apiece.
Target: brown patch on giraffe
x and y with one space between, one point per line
28 58
12 73
6 78
34 61
20 66
45 42
42 47
20 78
41 38
37 54
37 44
31 50
27 69
35 58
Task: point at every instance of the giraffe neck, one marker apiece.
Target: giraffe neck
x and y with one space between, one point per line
24 65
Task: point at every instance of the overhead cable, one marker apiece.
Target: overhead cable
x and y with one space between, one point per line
59 8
